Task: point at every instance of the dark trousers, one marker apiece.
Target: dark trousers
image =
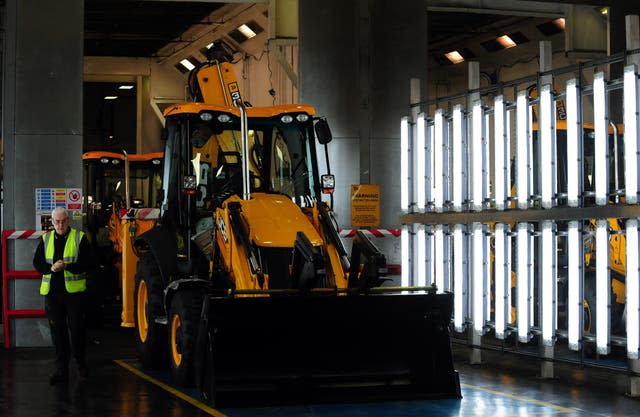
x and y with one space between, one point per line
66 314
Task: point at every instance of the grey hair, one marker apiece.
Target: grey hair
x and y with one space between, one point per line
59 210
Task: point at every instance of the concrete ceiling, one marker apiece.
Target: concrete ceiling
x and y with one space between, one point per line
171 30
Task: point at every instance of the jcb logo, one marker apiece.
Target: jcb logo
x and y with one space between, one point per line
234 91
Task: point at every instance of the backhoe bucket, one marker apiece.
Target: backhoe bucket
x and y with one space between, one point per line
312 347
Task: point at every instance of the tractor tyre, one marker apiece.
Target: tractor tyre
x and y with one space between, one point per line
205 364
184 318
148 305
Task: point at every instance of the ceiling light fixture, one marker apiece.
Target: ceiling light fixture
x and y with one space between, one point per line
246 31
110 97
125 87
559 22
455 57
187 64
506 41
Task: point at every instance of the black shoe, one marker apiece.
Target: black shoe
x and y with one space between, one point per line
59 376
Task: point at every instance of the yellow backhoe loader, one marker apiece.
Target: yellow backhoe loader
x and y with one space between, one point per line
243 282
114 183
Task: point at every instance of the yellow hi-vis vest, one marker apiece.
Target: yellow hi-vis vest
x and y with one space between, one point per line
72 282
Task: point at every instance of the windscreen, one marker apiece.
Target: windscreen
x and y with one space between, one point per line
279 157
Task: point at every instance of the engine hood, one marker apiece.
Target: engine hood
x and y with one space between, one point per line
274 220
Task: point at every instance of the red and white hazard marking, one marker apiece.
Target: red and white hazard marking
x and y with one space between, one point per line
347 233
24 234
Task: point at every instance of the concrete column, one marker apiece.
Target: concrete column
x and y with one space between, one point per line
41 127
356 75
632 24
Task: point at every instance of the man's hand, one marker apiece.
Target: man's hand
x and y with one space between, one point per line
59 265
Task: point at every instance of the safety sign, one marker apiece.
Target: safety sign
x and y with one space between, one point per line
365 205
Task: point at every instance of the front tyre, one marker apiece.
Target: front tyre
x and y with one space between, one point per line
183 330
148 305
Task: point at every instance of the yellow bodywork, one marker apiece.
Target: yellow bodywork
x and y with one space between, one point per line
272 221
123 233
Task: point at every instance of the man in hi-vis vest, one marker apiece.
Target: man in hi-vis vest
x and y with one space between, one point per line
63 257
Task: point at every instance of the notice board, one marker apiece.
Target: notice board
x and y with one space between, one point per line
365 205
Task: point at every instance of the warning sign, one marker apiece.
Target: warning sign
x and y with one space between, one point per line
365 205
74 198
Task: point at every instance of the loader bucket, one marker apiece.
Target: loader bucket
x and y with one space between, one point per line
322 347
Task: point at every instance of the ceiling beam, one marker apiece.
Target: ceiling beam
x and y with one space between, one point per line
499 7
226 19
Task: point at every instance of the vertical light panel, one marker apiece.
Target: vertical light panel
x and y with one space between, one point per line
522 150
420 168
522 276
478 290
429 164
486 244
631 121
574 298
404 242
438 143
458 166
547 130
574 143
501 158
548 276
501 277
431 255
440 256
459 277
421 270
405 181
601 146
603 287
633 290
477 156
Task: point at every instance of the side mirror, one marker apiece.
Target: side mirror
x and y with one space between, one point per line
323 132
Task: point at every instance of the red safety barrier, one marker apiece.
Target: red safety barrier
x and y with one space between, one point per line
7 275
392 269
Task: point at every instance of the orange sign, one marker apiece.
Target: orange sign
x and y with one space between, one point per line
365 205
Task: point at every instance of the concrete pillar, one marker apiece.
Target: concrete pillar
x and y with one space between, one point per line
356 74
41 127
632 24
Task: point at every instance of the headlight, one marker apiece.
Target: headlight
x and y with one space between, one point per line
156 161
206 116
189 184
328 182
104 160
302 117
224 118
287 118
115 161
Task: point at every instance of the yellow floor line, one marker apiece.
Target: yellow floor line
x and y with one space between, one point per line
520 398
177 393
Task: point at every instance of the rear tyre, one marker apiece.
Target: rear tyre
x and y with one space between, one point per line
183 330
150 336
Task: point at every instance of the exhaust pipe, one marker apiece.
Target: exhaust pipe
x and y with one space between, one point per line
244 130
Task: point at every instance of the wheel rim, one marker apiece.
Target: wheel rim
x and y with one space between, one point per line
175 329
141 311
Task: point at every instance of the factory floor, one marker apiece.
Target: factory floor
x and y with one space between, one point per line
503 385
